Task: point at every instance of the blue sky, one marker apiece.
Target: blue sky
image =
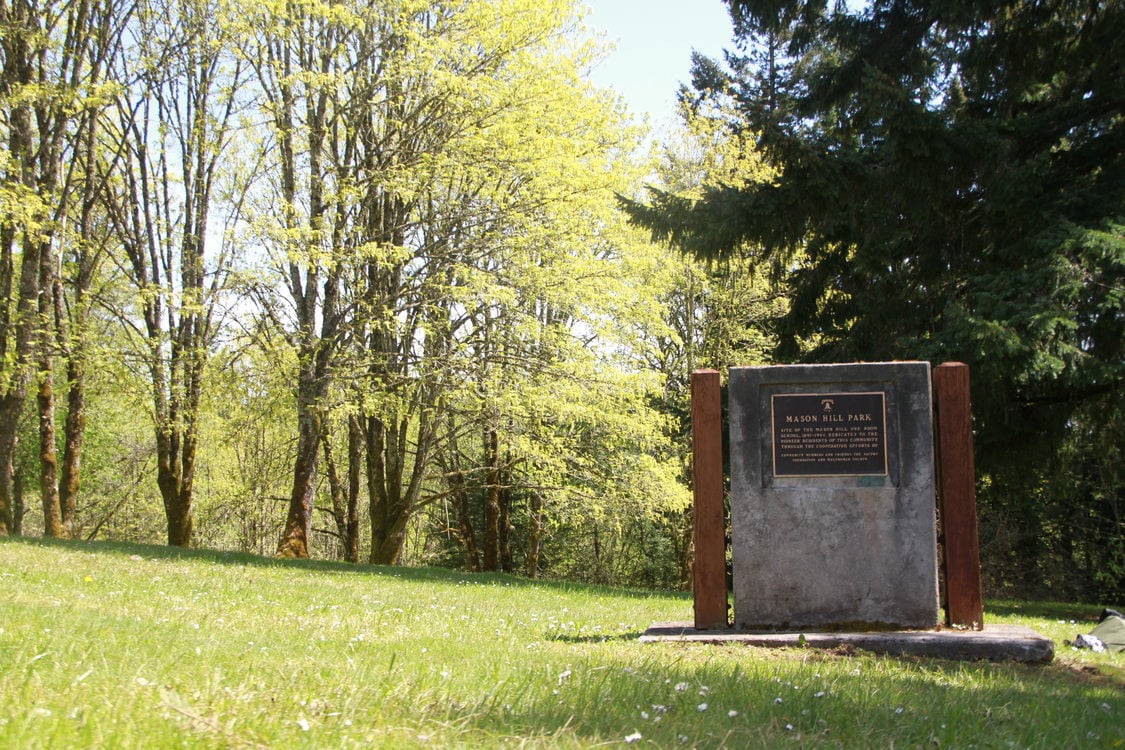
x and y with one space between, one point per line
654 40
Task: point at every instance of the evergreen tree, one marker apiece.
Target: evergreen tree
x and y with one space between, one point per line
949 186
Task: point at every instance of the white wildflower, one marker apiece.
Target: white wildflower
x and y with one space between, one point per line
631 738
701 707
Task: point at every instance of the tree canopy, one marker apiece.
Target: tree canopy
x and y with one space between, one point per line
280 263
286 262
949 186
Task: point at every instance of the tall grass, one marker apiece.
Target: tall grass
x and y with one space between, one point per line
122 646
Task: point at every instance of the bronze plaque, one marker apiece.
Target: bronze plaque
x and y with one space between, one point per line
829 434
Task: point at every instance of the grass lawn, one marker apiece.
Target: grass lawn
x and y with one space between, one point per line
129 646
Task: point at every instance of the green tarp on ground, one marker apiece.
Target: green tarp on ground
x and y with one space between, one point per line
1111 632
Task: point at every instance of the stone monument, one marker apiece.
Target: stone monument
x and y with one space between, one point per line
833 522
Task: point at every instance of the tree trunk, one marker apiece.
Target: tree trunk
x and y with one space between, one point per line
384 486
314 287
684 547
76 347
462 500
10 406
294 540
597 555
175 492
492 501
337 491
355 459
345 497
534 535
75 434
48 454
169 478
394 492
16 325
181 525
45 398
465 526
18 507
505 478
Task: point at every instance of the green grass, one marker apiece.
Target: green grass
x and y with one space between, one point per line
123 646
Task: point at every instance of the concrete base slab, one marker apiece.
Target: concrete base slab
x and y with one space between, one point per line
994 643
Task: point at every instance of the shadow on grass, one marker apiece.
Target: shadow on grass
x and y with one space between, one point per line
1045 610
779 698
619 637
245 559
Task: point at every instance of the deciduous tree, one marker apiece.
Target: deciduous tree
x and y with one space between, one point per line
173 130
55 56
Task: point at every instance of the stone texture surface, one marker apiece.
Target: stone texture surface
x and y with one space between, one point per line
993 643
834 552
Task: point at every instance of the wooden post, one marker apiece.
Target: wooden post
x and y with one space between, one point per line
957 496
709 575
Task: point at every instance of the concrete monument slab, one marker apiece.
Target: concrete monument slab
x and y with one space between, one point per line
833 497
993 643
